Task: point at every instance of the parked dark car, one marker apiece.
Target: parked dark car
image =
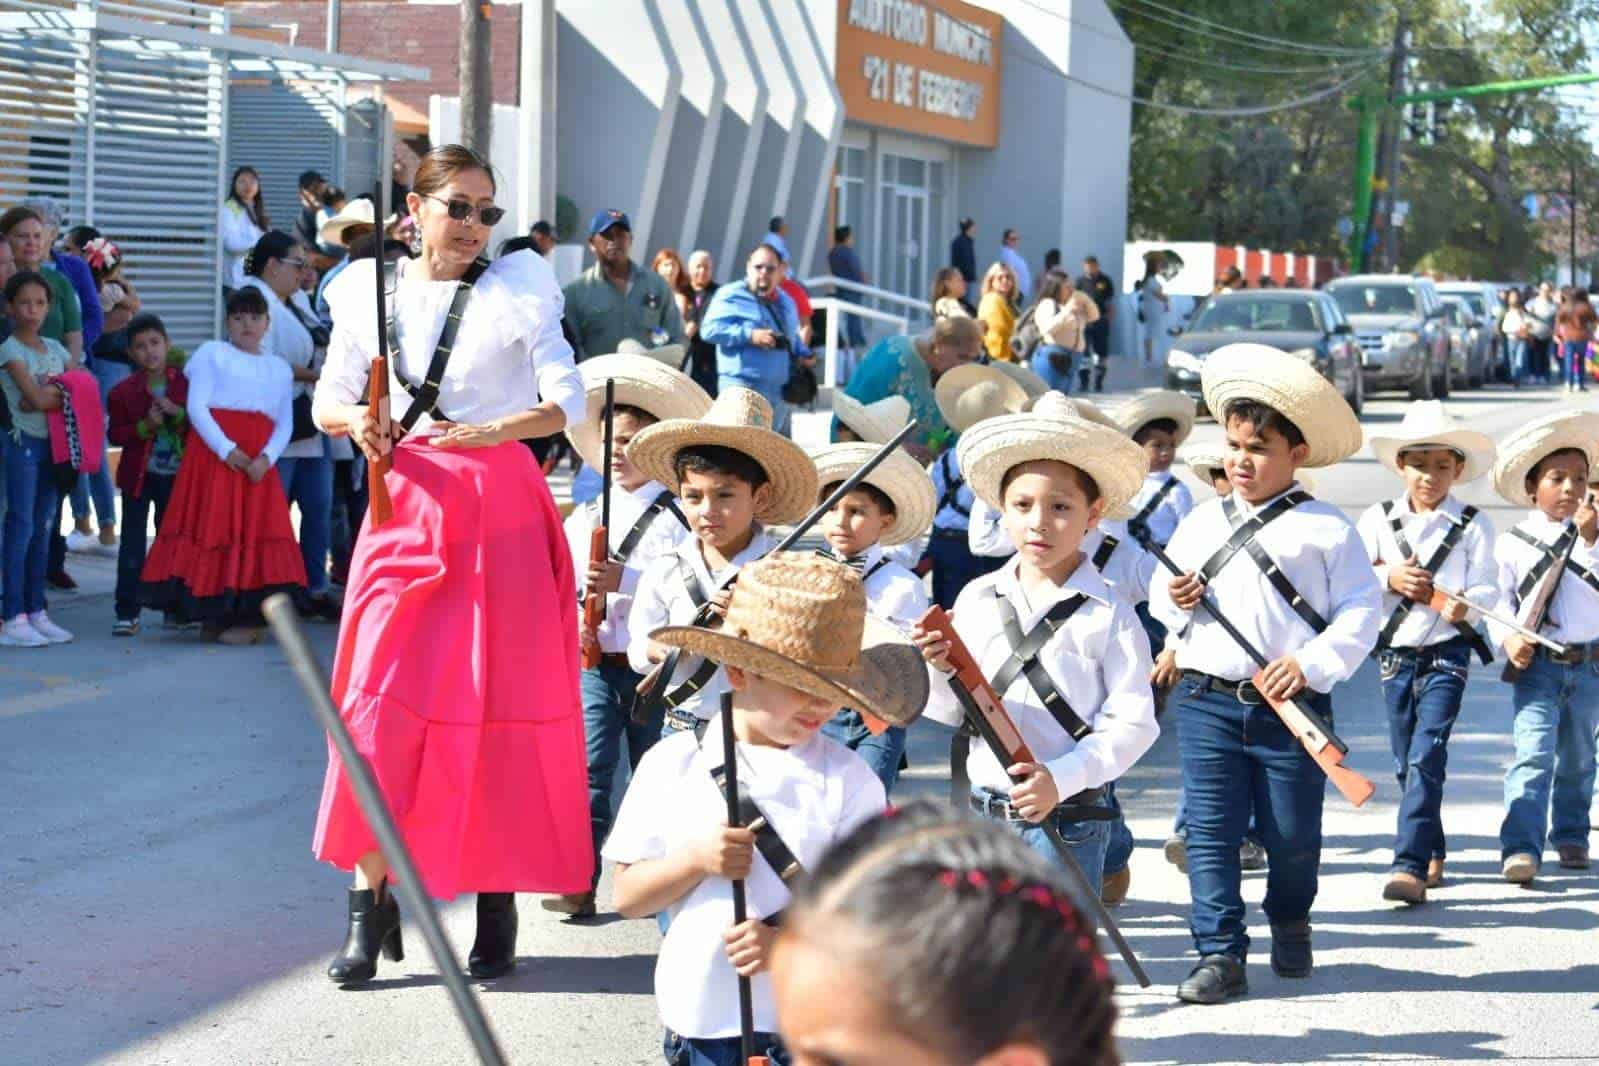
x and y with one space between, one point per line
1303 322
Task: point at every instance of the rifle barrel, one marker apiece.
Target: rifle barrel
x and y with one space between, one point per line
746 1002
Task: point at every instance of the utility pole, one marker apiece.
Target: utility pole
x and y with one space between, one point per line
477 99
1393 134
1572 210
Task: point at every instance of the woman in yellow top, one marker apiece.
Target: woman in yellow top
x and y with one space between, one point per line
997 312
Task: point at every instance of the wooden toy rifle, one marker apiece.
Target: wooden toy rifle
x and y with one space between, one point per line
600 542
378 383
746 1002
1538 607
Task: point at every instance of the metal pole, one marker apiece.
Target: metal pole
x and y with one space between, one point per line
477 100
1572 160
1365 166
1393 139
333 25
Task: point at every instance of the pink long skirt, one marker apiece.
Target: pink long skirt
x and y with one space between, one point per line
457 673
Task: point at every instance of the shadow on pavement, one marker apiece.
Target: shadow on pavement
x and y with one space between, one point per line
1323 1044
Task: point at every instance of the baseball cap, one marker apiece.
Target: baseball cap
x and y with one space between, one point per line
604 220
777 244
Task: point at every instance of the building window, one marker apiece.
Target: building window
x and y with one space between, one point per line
849 188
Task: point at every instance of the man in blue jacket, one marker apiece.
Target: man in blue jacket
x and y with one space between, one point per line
756 330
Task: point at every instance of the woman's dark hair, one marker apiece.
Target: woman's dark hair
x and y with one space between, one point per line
944 282
257 207
78 236
331 195
1052 259
512 245
16 216
1084 479
1155 425
442 163
1050 285
718 460
248 301
1263 417
274 244
884 501
1532 475
24 278
145 322
966 933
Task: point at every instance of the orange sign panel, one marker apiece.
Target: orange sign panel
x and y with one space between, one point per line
929 67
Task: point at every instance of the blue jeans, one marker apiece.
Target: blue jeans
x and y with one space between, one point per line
1119 849
130 552
1235 754
772 393
882 751
854 332
1423 695
1087 840
1557 711
308 482
954 565
1573 354
608 692
1060 381
1518 359
31 501
99 485
720 1051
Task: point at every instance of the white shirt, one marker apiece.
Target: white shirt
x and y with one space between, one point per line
1164 519
661 599
239 234
952 515
1469 569
663 536
1018 266
1130 569
287 339
1099 660
1542 311
814 793
1319 552
893 593
508 357
985 535
221 377
1573 616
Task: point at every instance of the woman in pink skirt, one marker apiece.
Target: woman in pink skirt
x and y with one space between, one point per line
457 664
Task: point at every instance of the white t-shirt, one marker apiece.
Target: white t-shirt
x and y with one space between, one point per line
814 794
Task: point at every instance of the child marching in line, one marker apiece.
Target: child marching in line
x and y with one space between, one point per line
1546 466
1159 421
876 423
646 525
1425 535
796 644
927 938
734 476
1304 594
1066 654
893 506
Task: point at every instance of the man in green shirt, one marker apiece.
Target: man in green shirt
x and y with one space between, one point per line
616 300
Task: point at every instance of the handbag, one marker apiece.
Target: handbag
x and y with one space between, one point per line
1060 362
1026 336
802 387
304 425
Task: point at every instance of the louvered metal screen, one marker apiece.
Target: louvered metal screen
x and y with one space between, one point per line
282 129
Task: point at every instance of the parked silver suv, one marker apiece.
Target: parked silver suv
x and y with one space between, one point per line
1398 320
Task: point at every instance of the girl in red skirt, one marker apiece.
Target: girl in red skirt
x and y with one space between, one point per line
226 542
457 667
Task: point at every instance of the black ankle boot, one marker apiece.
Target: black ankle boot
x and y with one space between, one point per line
374 927
1290 949
494 950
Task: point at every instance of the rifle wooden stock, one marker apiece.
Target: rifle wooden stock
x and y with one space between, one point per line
382 507
594 601
1538 612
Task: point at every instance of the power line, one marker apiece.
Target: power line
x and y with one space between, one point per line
1340 67
1192 24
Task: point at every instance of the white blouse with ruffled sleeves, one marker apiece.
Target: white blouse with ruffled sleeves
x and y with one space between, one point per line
508 357
224 378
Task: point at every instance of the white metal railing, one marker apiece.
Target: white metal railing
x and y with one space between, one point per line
914 308
835 308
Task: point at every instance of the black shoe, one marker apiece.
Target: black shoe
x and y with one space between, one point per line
374 926
494 950
61 581
1216 979
1290 949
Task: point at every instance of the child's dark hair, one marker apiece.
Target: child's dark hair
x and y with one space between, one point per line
640 416
717 459
884 502
146 322
332 195
968 935
1084 479
1263 417
1155 425
248 301
23 278
1532 475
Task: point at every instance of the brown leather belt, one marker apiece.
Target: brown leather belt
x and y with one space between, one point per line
1083 807
1242 691
616 659
1575 654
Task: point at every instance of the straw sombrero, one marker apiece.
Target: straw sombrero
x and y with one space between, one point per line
673 355
1053 429
1201 459
742 420
1023 376
899 477
1289 385
1428 425
874 423
640 382
968 394
1091 411
1529 445
800 620
1153 404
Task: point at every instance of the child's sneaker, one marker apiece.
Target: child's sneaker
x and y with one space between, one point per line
18 632
79 541
125 627
49 630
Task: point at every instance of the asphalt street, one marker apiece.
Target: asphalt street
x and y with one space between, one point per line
161 904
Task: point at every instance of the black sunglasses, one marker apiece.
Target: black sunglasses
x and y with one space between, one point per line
460 210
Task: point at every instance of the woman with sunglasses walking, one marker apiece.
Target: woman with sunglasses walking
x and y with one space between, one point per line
457 663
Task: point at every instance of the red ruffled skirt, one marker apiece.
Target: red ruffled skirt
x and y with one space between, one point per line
225 543
457 673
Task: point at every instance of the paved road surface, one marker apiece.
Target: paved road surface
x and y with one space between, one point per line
162 906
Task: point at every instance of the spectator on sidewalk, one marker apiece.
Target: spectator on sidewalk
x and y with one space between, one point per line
1062 315
910 367
963 251
701 353
669 265
843 262
1010 255
756 330
793 289
8 267
333 201
949 295
72 268
615 300
244 220
996 307
1542 309
542 236
1097 284
306 223
1517 329
1574 330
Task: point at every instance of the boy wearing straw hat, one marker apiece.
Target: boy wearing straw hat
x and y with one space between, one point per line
1546 466
893 506
1427 535
1159 421
1065 652
1291 574
646 524
873 423
734 476
797 644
